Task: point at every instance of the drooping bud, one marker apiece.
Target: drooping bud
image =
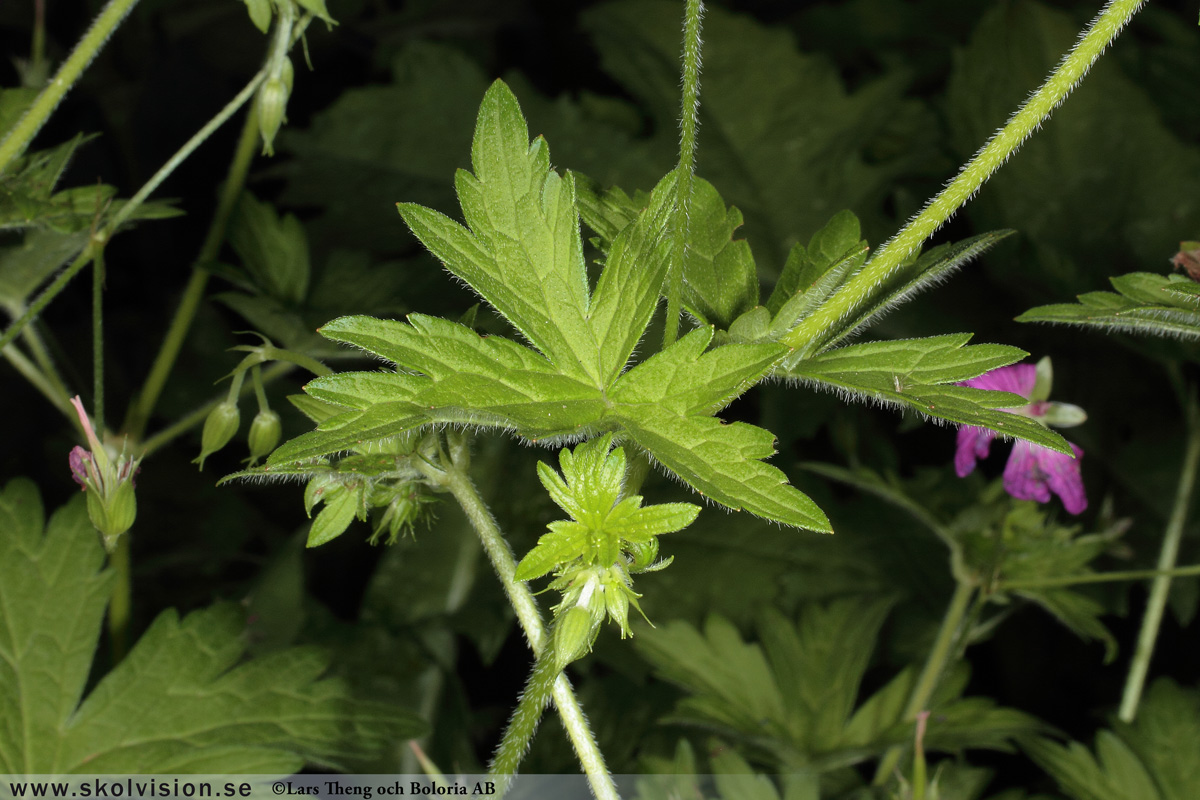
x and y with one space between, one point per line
219 428
265 431
272 104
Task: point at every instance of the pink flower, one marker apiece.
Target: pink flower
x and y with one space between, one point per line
1033 471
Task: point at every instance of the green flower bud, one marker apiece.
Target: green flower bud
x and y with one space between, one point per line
113 514
574 634
219 428
642 553
272 109
265 431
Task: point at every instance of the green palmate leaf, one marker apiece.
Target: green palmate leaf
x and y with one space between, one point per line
182 701
1155 758
25 266
914 373
1161 305
522 252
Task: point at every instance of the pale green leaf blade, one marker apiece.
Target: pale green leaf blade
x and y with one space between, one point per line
522 216
1165 735
805 266
819 663
348 431
732 683
719 278
628 290
723 462
565 542
52 601
688 381
645 523
466 378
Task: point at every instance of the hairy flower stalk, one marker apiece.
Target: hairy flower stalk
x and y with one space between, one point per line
108 481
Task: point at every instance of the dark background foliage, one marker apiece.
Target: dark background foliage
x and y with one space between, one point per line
808 108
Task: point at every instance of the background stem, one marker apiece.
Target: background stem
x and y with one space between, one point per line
935 666
1135 682
98 340
89 46
807 336
143 404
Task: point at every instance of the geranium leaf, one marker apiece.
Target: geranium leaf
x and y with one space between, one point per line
184 700
1161 305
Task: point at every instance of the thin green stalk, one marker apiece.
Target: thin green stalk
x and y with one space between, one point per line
143 404
807 336
688 119
89 46
935 666
122 599
459 484
182 154
1098 577
525 718
1159 590
98 339
37 47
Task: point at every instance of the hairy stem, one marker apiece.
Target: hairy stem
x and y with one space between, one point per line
688 119
525 718
935 666
38 380
182 154
89 46
808 336
459 484
143 404
1135 682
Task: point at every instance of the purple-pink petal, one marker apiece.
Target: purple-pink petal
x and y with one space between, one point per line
1018 379
78 460
1033 472
973 444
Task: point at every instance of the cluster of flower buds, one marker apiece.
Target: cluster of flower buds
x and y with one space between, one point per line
108 480
222 424
591 593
